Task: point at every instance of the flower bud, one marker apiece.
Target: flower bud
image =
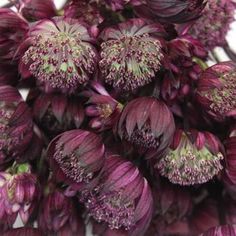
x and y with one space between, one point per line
58 215
34 10
76 156
19 192
16 126
176 11
57 113
105 109
147 122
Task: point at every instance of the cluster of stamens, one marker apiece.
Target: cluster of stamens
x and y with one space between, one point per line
6 141
112 207
71 165
222 98
60 59
131 61
143 137
187 165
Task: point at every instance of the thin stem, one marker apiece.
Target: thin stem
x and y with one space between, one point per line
231 54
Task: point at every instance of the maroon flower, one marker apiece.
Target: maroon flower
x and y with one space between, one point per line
57 213
105 109
131 54
212 27
16 126
225 230
87 12
194 158
217 89
19 192
147 122
55 113
76 156
12 31
24 231
122 198
60 54
34 10
176 11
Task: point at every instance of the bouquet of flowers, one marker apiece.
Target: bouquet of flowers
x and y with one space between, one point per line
129 123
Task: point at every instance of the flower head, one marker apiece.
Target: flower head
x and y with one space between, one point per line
217 89
60 54
147 122
122 199
176 11
131 54
16 125
76 156
104 109
56 113
194 158
19 192
211 28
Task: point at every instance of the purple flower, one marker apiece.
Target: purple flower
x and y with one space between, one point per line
76 156
104 109
176 11
56 113
58 215
16 126
225 230
87 12
211 28
60 54
13 28
131 54
194 158
147 122
19 192
122 199
34 10
217 89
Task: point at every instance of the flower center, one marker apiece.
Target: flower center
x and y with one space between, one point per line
72 166
223 98
130 62
187 165
112 207
144 137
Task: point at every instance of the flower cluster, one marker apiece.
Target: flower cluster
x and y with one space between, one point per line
117 116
